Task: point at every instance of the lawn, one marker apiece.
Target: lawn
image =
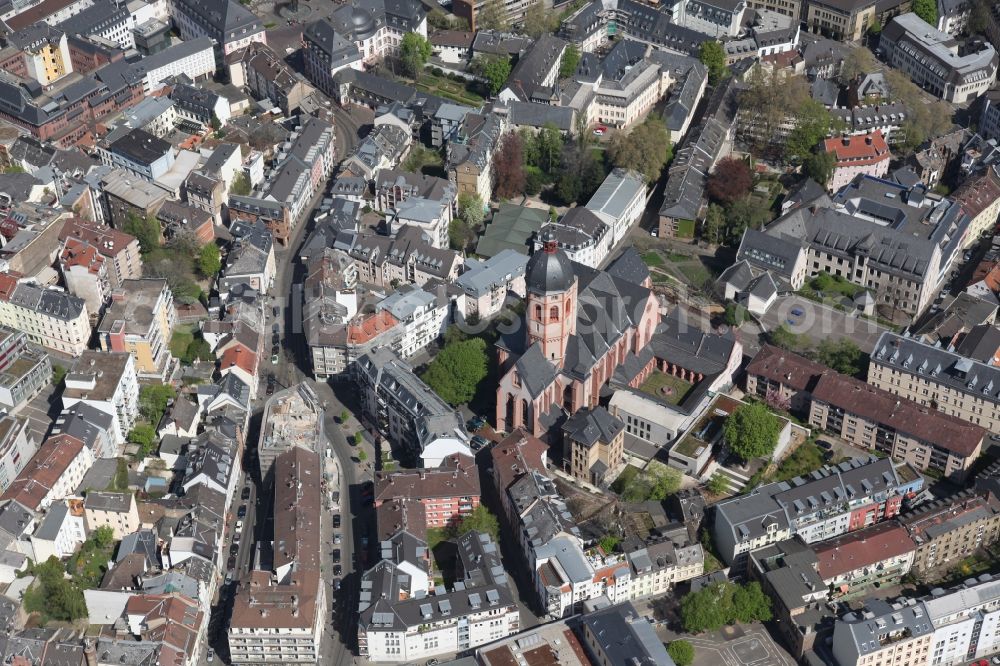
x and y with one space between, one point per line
807 458
695 272
653 258
445 87
658 380
181 340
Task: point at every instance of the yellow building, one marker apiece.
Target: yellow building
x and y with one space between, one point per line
140 321
594 445
846 20
45 51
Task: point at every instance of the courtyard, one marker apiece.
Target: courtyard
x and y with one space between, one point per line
667 388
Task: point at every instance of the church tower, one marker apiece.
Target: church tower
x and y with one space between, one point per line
551 287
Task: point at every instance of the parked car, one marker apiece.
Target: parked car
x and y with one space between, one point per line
234 549
338 570
337 538
275 328
275 310
600 130
336 555
797 312
478 442
823 444
210 655
475 423
231 562
242 511
245 495
336 585
336 521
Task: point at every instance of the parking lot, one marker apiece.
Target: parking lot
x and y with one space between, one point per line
821 322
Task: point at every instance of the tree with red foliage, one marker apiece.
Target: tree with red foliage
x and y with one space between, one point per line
730 181
508 168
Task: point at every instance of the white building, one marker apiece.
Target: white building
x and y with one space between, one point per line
59 534
17 446
488 283
619 202
193 58
108 382
50 317
423 316
581 234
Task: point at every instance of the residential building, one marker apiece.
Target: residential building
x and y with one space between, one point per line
486 284
594 445
949 529
43 53
657 567
177 218
620 635
423 316
407 411
867 558
835 500
228 23
619 202
533 77
883 633
61 532
52 474
250 260
50 317
106 381
120 250
194 58
118 511
937 378
447 493
383 148
140 153
140 320
408 258
330 302
91 426
284 610
17 447
327 52
845 20
469 158
24 369
199 105
293 417
979 196
85 273
877 420
125 195
779 376
431 216
581 234
931 59
264 73
857 155
989 117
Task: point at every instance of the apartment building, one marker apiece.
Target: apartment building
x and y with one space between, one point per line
594 444
619 634
406 410
619 202
120 250
231 25
626 84
581 234
486 284
53 473
49 317
423 315
844 20
409 258
17 447
934 61
884 634
857 155
85 274
952 528
118 511
835 500
140 153
279 615
447 493
140 320
783 377
469 158
873 556
790 8
265 74
24 369
938 379
107 381
193 58
325 53
44 53
979 196
658 566
877 420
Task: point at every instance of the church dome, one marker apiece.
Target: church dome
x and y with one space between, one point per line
549 270
363 23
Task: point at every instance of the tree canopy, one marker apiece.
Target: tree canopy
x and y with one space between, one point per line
570 59
153 399
646 148
722 603
480 520
414 52
751 431
456 371
843 356
857 62
819 166
241 185
731 180
493 16
145 229
923 120
681 651
927 10
538 20
209 260
53 595
713 57
495 69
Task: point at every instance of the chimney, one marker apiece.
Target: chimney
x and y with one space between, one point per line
846 140
868 139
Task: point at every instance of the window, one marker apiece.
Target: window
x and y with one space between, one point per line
554 313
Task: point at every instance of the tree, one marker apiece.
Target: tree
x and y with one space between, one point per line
923 120
979 17
843 356
746 213
927 10
708 609
734 315
471 209
681 651
570 59
358 438
538 20
819 166
750 604
344 415
145 229
646 148
713 56
812 124
875 28
751 431
508 168
144 435
479 520
455 373
718 484
14 168
209 260
666 482
362 456
493 16
414 52
714 226
53 595
581 173
858 62
730 181
608 543
547 148
153 400
495 69
784 338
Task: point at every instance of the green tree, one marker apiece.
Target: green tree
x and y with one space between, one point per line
241 185
708 609
813 123
750 604
14 168
570 59
414 52
646 148
480 520
58 374
144 435
979 17
209 260
455 373
927 10
145 229
153 400
784 338
858 62
495 69
53 595
751 431
215 123
875 28
819 166
666 482
471 209
358 438
538 20
344 415
843 356
198 350
746 213
734 314
493 16
718 484
548 147
714 226
713 57
681 651
362 456
609 542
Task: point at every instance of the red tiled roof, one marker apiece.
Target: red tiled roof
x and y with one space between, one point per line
978 193
7 284
43 470
81 253
865 547
366 329
108 241
854 396
457 477
858 150
786 368
241 357
515 455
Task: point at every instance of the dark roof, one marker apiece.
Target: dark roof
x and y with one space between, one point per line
629 266
140 146
548 270
981 343
625 637
590 426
